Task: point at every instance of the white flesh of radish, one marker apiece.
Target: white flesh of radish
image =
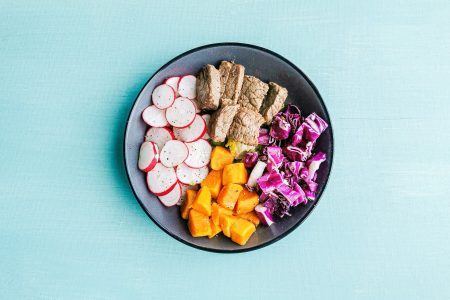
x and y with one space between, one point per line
199 154
148 156
182 113
188 175
163 96
187 86
173 153
161 180
159 136
154 116
173 197
193 132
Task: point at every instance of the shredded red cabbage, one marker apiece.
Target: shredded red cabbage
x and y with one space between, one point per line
290 177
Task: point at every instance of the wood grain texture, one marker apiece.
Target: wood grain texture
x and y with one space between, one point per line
70 226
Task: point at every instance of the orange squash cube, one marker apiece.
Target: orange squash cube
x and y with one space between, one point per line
250 216
217 210
187 203
226 222
198 224
215 229
214 182
202 202
234 173
220 157
246 202
241 231
229 195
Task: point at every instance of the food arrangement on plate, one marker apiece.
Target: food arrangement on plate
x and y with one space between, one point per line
229 150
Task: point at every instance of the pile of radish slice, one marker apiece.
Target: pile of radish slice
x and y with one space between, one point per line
175 153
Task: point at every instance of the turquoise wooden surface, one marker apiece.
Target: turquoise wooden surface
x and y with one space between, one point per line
70 226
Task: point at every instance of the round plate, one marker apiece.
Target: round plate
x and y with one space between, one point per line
264 64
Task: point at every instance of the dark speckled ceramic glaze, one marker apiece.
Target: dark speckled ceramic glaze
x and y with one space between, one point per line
262 63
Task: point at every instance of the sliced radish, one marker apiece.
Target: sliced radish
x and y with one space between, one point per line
154 116
182 113
173 153
187 86
163 96
173 197
148 156
207 118
159 136
199 154
193 132
161 180
184 188
173 82
188 175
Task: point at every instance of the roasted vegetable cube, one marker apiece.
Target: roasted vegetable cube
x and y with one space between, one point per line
217 210
198 224
246 202
214 182
187 203
202 202
241 231
229 195
234 173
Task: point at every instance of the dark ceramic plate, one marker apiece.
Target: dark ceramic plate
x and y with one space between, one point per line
266 65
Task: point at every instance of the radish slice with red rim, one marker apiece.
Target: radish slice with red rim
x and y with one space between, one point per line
187 86
163 96
148 156
193 132
173 197
207 118
199 154
173 82
191 176
159 136
161 180
173 153
181 114
197 110
154 116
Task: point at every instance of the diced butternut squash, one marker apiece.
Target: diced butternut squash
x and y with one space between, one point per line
187 203
234 173
228 195
214 182
202 202
220 157
198 224
250 216
241 231
217 210
215 229
226 222
246 202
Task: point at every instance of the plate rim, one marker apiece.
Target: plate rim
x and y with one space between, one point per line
330 127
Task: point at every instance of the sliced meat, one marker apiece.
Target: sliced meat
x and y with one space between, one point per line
231 79
273 102
220 122
245 126
253 93
224 70
226 102
208 88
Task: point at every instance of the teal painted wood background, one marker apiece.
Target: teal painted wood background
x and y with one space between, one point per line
70 227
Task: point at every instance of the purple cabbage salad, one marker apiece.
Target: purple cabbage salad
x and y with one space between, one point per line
291 172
